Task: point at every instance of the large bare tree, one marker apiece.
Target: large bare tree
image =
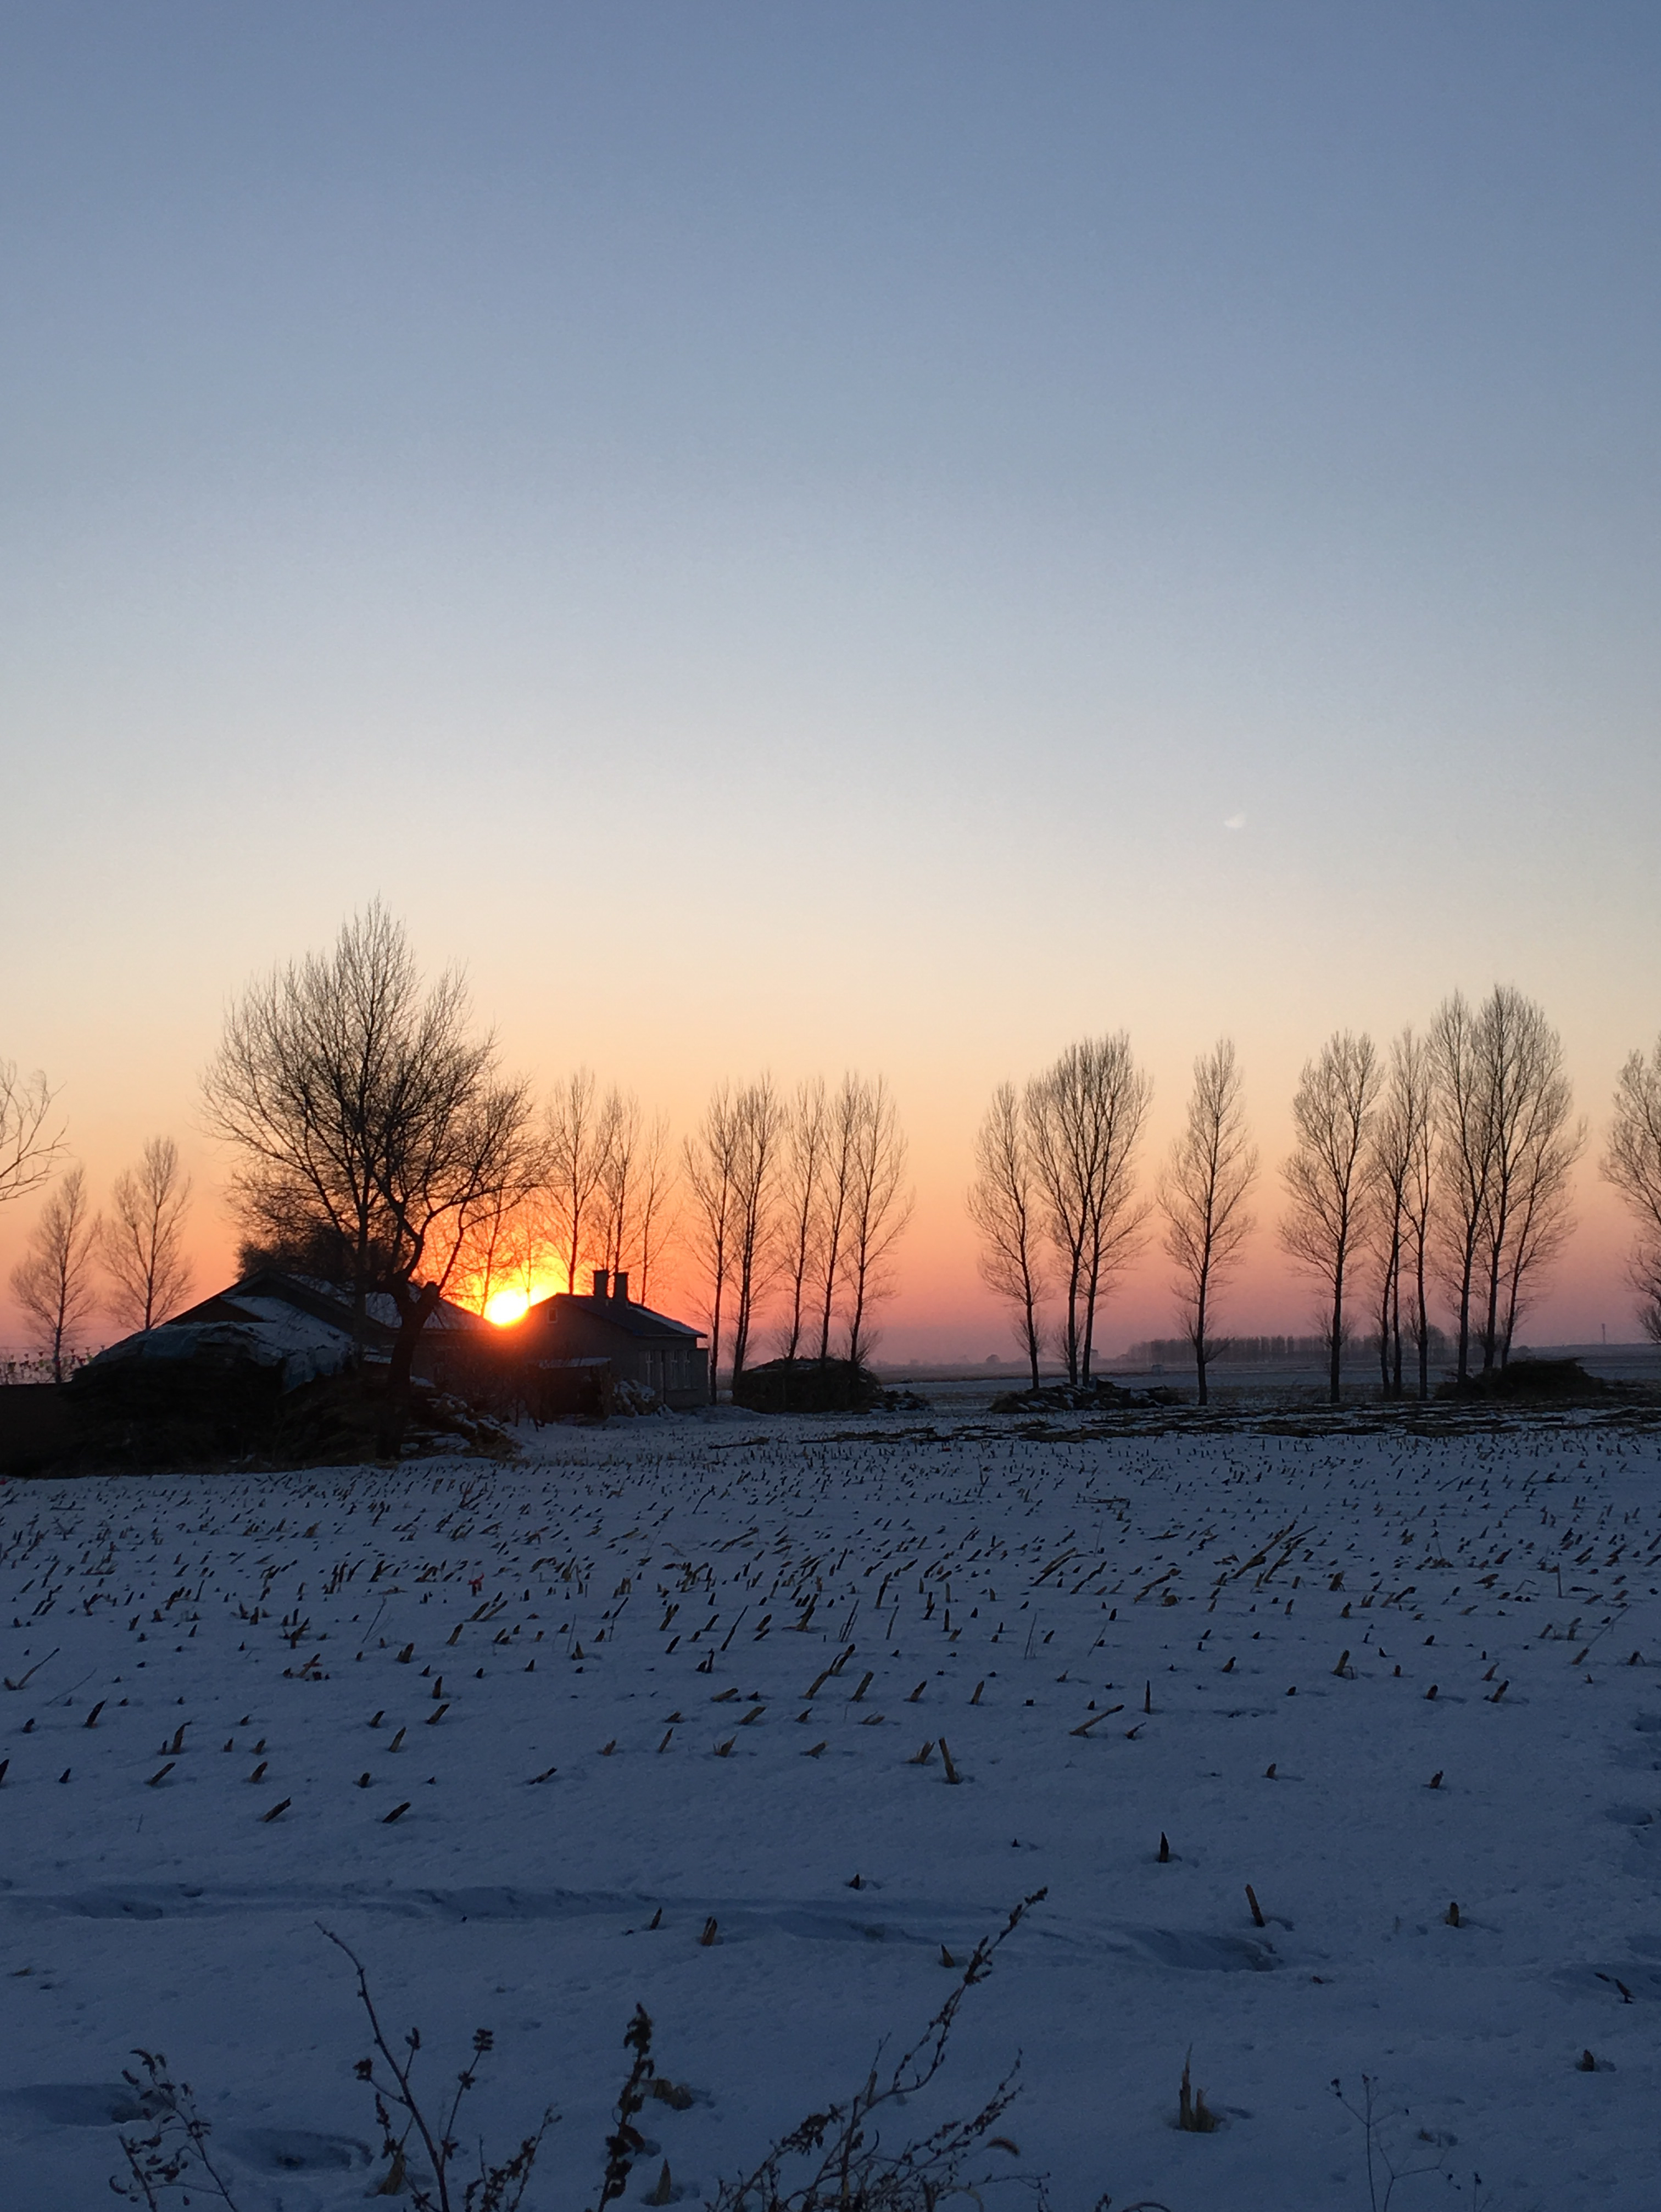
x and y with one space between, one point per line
1006 1205
54 1282
1203 1194
1326 1180
143 1238
879 1212
1632 1161
370 1124
1083 1118
29 1146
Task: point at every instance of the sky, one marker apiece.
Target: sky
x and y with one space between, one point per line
800 537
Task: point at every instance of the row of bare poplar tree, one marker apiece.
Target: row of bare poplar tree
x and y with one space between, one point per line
376 1141
1436 1173
786 1210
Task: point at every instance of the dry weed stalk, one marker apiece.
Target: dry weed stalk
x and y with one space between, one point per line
1383 2171
177 2145
625 2140
833 2162
848 2169
495 2188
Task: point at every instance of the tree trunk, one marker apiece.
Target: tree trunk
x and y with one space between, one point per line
1424 1327
412 1318
360 1299
1383 1333
1468 1269
1199 1336
1396 1328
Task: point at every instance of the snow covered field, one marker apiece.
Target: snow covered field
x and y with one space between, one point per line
637 1616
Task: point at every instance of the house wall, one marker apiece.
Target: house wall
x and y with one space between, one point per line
674 1366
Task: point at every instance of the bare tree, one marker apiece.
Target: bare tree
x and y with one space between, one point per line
504 1248
1326 1178
143 1240
1389 1171
1632 1163
1464 1158
28 1148
651 1222
620 1120
656 1216
879 1212
1084 1120
843 1117
580 1131
370 1125
1506 1152
1404 1169
1005 1205
801 1203
1541 1219
711 1165
636 1186
1533 1149
1203 1194
759 1119
54 1282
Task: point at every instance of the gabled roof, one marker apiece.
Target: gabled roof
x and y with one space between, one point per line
248 1328
254 1297
622 1314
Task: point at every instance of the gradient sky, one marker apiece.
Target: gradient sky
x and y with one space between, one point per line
786 536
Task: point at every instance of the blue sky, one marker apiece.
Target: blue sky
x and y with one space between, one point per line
787 535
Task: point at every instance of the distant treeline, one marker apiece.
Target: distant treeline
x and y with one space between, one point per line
1177 1351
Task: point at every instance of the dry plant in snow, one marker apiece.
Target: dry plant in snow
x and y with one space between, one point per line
835 2160
398 2108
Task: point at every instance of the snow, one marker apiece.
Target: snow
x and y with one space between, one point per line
1066 1574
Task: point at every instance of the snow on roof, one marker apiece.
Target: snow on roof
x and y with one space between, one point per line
269 1333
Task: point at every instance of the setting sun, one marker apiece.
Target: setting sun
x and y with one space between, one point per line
508 1307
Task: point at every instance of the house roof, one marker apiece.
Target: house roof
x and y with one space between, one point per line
267 1332
291 1322
621 1314
253 1297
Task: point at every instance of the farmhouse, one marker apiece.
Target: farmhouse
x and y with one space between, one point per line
299 1329
640 1346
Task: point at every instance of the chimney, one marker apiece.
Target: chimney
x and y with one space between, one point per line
620 1288
600 1280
